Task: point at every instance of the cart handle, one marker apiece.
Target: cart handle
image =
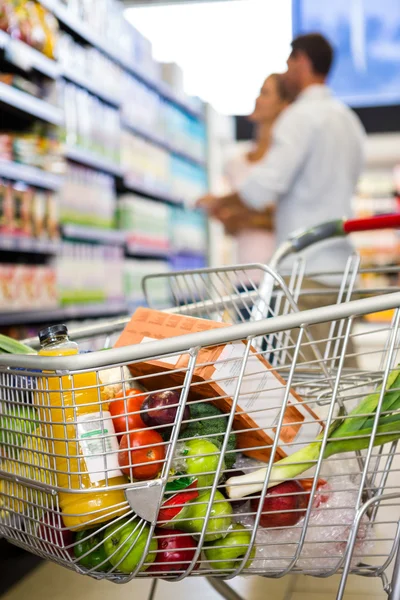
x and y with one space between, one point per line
341 227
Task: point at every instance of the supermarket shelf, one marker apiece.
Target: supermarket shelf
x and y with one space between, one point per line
30 105
137 251
70 21
26 58
90 87
30 175
161 143
131 184
25 244
94 234
92 160
61 314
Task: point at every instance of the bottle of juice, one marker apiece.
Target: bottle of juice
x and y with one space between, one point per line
81 438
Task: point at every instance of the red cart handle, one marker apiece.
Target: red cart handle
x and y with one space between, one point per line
370 223
338 228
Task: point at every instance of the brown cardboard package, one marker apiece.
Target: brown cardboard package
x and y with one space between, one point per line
215 378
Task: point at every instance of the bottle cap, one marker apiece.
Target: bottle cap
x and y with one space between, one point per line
50 334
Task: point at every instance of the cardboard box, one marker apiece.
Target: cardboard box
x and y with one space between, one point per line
215 378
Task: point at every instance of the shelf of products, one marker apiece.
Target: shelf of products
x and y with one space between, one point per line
74 73
30 105
27 58
29 175
62 314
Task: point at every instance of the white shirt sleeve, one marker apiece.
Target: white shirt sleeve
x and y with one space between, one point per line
273 176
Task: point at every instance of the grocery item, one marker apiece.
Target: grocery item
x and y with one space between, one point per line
228 554
10 346
76 413
125 410
6 206
34 463
203 425
261 393
15 425
283 505
187 511
201 458
159 409
124 543
348 435
141 454
89 550
176 550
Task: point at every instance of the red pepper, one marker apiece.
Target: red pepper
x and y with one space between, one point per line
176 503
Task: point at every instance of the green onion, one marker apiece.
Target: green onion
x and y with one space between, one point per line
10 346
345 435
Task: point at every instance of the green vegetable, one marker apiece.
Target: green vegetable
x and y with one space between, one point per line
16 425
89 550
10 346
205 426
345 435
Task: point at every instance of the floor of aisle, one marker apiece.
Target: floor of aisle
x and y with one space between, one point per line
57 583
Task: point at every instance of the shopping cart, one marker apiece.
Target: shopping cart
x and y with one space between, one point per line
257 388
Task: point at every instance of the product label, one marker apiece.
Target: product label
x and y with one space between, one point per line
99 446
261 396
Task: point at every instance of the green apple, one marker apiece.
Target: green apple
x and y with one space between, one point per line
202 458
228 553
195 511
124 543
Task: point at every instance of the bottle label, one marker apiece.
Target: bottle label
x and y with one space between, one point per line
99 446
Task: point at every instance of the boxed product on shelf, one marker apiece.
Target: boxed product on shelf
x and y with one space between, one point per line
27 287
158 288
90 274
90 64
188 181
83 114
144 163
34 149
146 112
146 223
188 231
27 211
31 23
97 190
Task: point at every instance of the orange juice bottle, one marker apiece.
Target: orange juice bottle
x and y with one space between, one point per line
81 438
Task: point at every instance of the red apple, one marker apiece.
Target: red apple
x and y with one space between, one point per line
53 534
176 550
279 500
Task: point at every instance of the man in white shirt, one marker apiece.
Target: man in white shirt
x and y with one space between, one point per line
309 174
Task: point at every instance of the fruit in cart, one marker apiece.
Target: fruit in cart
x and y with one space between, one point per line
187 511
15 426
207 421
202 458
125 411
142 454
348 434
35 464
113 380
54 533
160 409
90 550
176 550
227 554
283 505
125 542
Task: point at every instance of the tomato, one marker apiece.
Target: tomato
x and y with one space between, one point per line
125 410
141 454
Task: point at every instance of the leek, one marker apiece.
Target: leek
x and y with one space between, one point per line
10 346
345 435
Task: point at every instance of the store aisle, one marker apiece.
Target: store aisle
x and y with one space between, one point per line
52 581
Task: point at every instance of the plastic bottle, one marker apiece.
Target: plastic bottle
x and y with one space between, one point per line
81 438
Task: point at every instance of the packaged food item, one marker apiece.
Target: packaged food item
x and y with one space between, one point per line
262 389
6 207
39 201
84 442
51 219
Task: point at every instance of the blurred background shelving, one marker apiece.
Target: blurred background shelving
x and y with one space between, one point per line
88 209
